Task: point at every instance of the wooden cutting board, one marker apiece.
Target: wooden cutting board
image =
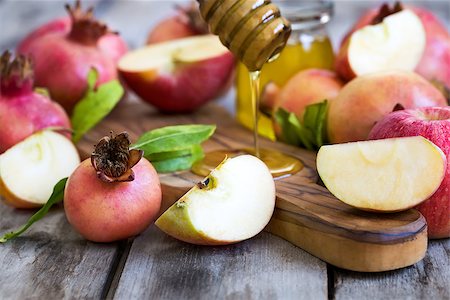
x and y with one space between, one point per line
306 214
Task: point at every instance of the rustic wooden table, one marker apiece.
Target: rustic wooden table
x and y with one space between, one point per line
51 261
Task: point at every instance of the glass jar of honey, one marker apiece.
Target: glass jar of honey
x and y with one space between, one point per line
308 47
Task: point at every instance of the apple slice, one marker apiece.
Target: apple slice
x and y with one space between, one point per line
235 202
30 169
383 175
397 43
179 75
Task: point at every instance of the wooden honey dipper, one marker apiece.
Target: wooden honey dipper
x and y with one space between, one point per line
253 30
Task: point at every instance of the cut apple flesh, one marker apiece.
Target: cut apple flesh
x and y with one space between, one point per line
163 56
235 202
383 175
396 43
30 169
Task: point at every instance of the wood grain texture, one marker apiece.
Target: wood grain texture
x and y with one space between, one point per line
265 267
428 279
306 214
50 260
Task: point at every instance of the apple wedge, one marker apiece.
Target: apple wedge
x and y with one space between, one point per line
397 43
235 202
382 175
30 169
179 75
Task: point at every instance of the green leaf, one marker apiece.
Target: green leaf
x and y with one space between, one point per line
42 91
173 138
179 163
57 196
170 154
95 105
314 119
289 134
310 132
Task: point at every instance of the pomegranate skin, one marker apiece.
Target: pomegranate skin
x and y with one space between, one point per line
106 212
61 64
23 115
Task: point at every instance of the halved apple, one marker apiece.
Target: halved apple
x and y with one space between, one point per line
384 175
235 202
397 43
30 169
179 75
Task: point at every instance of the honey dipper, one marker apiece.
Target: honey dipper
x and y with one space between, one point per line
253 30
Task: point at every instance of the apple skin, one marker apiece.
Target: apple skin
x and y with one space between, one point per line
367 99
106 212
186 88
305 88
308 87
432 123
435 61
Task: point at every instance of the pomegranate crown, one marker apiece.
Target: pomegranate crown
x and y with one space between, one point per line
386 10
16 73
113 159
191 15
85 28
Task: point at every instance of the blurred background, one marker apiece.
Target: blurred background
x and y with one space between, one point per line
133 19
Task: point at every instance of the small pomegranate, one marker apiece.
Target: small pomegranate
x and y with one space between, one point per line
186 22
64 51
23 111
114 195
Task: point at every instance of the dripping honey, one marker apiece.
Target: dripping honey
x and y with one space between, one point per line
293 58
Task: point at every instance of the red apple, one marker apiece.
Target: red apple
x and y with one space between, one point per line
397 42
435 61
432 123
308 87
187 22
367 99
180 75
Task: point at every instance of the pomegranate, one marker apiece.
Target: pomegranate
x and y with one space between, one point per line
186 22
65 49
23 111
114 195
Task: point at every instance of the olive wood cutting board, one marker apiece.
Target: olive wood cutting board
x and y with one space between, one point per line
306 214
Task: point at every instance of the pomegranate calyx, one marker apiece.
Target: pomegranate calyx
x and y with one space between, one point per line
113 160
191 16
386 10
85 28
16 74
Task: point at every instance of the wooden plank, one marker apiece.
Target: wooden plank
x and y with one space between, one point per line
428 279
51 261
265 267
306 214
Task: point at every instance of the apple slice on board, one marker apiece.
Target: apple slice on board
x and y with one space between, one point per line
235 202
397 43
30 169
382 175
179 75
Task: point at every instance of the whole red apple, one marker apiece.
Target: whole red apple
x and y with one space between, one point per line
432 123
368 98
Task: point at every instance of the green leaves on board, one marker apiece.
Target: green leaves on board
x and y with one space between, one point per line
56 197
310 132
96 104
